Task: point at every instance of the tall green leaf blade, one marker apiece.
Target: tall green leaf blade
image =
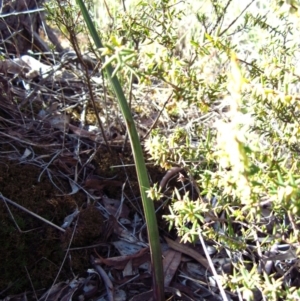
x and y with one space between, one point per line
152 228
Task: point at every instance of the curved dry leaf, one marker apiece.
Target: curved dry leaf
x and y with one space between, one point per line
188 251
108 284
171 262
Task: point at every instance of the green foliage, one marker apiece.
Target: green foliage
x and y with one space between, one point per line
233 118
248 157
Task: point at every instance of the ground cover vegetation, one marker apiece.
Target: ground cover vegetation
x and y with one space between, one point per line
213 90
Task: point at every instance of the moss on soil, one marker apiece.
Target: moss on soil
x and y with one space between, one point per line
37 248
38 251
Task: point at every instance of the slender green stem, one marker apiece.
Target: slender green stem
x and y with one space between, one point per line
153 235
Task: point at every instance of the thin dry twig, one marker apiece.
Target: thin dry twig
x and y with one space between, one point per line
169 174
158 116
31 213
65 257
212 268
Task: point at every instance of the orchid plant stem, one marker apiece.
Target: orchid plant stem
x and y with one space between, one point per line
149 211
